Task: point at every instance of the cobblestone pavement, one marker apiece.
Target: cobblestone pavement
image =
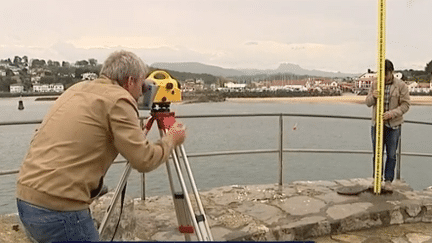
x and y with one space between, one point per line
302 210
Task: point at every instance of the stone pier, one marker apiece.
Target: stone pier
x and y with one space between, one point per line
302 210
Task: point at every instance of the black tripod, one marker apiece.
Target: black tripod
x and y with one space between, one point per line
189 222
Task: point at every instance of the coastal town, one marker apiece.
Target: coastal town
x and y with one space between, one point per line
24 76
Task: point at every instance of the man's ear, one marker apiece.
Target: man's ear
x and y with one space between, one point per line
127 84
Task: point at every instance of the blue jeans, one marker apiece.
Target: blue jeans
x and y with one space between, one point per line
390 143
44 225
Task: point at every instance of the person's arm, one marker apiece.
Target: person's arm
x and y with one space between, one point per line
404 102
130 140
371 98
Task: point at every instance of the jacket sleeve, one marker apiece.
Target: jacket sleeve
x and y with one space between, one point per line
130 141
404 102
370 100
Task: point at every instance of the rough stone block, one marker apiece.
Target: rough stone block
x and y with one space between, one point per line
346 210
127 223
412 210
345 182
357 223
283 234
261 211
301 205
396 217
427 217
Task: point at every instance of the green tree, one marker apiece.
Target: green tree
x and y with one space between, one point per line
428 68
25 60
38 63
17 60
79 71
47 80
93 62
82 63
65 64
5 83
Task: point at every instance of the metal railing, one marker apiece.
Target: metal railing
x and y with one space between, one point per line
280 149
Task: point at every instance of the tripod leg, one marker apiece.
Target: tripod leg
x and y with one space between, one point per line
182 201
186 195
115 198
202 220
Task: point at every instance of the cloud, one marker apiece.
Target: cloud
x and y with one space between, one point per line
251 43
334 35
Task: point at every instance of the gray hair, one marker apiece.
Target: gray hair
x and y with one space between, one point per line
120 65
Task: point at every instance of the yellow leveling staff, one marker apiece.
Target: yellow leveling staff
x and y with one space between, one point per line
380 100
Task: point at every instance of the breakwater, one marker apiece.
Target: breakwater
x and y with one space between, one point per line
301 210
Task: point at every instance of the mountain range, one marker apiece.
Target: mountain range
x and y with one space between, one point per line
62 51
284 68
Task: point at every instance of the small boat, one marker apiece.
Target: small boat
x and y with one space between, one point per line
20 105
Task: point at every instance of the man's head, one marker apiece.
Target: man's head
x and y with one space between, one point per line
127 69
389 68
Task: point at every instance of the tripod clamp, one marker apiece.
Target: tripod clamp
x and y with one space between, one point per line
164 119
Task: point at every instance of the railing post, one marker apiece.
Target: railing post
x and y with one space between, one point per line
280 149
142 186
398 160
142 174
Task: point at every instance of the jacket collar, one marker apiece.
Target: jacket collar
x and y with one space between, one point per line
105 80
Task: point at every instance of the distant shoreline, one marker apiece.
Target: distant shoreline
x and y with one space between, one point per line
345 98
356 99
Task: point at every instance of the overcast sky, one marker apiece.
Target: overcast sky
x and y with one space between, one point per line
328 35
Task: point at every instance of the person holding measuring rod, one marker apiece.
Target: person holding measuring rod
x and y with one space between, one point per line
396 104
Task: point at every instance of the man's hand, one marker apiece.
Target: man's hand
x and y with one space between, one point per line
375 94
177 133
387 116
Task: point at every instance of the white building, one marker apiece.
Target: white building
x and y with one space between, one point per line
58 87
415 87
365 80
16 88
89 76
233 86
40 88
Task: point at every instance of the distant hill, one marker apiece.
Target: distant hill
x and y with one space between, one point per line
195 67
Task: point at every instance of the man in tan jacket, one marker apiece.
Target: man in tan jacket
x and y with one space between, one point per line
396 104
79 138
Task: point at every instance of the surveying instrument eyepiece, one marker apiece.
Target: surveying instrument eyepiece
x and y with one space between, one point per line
159 90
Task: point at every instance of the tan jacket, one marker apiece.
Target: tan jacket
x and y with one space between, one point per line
79 138
399 101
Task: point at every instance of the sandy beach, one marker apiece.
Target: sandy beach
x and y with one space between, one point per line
346 98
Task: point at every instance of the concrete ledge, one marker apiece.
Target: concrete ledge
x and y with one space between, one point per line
296 211
301 210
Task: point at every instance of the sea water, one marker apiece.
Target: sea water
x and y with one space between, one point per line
243 133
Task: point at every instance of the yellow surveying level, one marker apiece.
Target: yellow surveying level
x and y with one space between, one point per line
380 100
169 88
